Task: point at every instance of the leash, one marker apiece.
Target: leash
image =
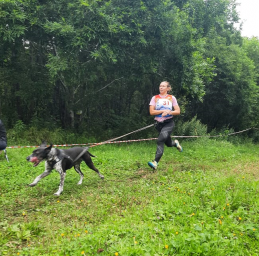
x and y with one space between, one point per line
108 141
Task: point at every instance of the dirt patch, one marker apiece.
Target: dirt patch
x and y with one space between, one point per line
250 169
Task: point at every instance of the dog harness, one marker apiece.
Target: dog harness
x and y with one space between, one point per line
60 157
63 156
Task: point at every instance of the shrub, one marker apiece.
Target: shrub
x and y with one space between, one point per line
191 128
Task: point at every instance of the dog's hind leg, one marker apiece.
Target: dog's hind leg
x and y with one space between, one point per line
90 164
47 171
77 169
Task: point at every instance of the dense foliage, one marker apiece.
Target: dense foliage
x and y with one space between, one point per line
93 65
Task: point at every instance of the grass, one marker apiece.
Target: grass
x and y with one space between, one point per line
203 201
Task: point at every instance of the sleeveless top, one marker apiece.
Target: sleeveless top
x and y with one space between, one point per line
163 102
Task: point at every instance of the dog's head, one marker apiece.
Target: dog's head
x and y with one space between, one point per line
39 154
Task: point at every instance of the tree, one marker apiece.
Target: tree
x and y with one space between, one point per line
231 97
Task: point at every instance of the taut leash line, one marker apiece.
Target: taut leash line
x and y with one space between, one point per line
108 141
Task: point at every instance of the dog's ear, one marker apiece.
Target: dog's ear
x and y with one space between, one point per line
43 144
48 148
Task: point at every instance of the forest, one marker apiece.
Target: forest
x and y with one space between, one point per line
91 66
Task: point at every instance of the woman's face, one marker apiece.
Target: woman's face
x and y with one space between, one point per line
163 88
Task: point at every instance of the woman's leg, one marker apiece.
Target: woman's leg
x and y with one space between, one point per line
164 138
2 145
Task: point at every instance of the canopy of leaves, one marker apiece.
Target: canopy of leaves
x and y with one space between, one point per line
93 65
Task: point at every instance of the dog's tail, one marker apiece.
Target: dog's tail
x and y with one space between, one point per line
91 154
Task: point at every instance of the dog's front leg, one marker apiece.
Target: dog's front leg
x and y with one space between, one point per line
47 171
62 179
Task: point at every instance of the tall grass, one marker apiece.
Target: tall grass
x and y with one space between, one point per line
22 134
203 201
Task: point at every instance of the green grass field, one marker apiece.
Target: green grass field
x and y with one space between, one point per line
203 201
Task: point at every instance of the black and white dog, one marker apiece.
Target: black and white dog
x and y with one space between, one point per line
61 160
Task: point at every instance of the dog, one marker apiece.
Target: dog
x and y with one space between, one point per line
61 160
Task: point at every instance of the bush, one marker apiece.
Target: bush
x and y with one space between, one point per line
191 128
24 135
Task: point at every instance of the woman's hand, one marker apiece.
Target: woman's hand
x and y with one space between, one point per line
164 112
167 112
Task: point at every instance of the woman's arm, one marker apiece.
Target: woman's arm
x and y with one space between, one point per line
176 111
164 112
154 112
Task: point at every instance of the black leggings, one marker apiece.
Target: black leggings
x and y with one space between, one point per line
165 130
2 144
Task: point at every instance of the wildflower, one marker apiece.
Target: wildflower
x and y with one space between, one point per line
58 201
116 254
183 202
23 213
220 222
234 234
253 229
193 214
222 217
62 234
241 234
239 218
18 253
85 222
78 234
82 252
166 246
224 208
227 204
169 188
243 177
135 242
86 231
176 232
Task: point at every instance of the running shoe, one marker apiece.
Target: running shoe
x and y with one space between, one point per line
178 146
153 164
